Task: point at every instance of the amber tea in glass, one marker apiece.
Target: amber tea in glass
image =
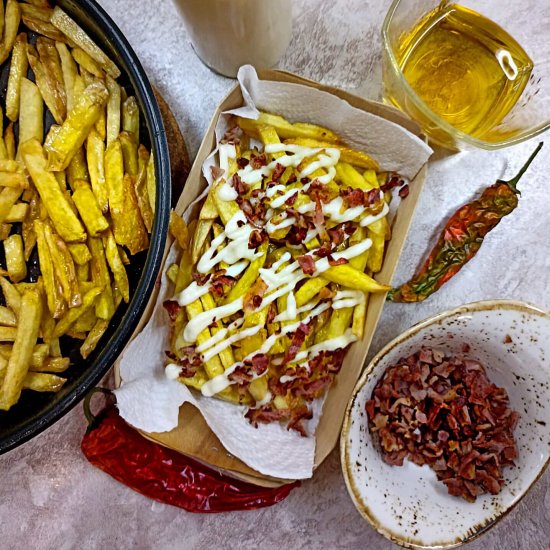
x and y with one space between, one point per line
457 72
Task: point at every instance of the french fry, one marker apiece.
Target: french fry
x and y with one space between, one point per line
54 73
89 210
25 340
95 150
12 16
64 269
130 117
94 336
350 277
69 27
87 62
15 258
78 169
179 230
199 238
51 364
116 265
113 110
13 179
128 226
8 334
7 317
104 307
73 314
151 182
46 29
43 382
11 296
8 197
114 176
9 141
351 156
17 213
42 13
141 189
64 219
80 253
285 129
69 70
18 71
129 153
31 112
54 298
76 127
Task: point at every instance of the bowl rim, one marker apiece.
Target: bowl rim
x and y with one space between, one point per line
482 305
149 273
455 133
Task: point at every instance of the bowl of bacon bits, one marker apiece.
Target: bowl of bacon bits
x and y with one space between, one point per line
449 426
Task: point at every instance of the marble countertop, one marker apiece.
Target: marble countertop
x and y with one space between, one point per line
50 497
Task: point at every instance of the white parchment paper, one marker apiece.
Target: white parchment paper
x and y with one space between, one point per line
151 402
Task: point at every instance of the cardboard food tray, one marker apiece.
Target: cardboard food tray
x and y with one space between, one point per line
193 437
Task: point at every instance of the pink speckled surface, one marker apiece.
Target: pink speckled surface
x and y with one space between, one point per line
51 498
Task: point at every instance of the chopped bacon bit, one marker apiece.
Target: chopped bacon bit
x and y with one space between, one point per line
242 162
271 313
340 261
292 199
337 235
278 171
239 186
445 412
393 181
256 193
254 214
189 361
233 135
508 339
323 251
318 191
258 160
253 298
292 179
307 263
265 415
241 375
296 235
297 417
219 281
298 339
201 279
350 229
305 180
260 362
173 308
216 172
353 197
257 237
404 191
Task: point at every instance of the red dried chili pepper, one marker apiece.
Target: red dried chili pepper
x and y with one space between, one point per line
461 238
167 476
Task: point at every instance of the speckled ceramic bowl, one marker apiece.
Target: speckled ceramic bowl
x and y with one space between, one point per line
408 504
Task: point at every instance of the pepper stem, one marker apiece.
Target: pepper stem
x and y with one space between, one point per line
514 181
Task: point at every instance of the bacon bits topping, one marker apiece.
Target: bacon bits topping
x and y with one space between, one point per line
258 160
404 192
257 237
242 162
253 298
278 171
307 263
297 340
445 412
219 281
172 308
255 214
393 181
189 361
233 135
239 186
358 197
200 278
216 172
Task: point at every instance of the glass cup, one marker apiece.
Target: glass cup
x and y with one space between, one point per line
229 33
529 116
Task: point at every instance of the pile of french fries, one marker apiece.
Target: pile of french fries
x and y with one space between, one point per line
263 329
75 198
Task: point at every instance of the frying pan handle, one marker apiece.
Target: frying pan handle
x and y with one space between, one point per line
90 417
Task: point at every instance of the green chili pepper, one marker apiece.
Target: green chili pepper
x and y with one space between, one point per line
461 238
